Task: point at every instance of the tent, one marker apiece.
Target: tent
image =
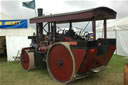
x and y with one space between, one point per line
16 39
117 29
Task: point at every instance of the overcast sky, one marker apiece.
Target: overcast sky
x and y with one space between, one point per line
15 9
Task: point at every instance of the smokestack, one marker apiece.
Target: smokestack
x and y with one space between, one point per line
40 12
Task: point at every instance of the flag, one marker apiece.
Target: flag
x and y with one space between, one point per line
29 4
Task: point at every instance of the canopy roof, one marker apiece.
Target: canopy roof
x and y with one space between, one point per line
99 13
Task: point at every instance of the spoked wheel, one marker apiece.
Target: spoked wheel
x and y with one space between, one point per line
61 63
27 59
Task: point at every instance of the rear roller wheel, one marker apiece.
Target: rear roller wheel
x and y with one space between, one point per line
61 63
27 59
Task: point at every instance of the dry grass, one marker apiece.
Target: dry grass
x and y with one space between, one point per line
12 74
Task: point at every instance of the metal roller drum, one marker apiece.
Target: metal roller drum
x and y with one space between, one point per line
27 59
61 62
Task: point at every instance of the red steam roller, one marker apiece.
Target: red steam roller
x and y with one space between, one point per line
69 55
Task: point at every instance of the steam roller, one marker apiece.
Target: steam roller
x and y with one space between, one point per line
73 53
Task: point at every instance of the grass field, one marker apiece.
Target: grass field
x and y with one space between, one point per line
11 73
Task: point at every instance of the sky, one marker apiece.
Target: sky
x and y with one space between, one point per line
14 8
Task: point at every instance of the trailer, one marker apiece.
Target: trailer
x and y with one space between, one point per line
68 55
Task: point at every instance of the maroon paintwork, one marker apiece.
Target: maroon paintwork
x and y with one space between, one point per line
92 60
79 54
25 58
99 13
60 72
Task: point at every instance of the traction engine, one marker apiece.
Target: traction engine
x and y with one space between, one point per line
68 55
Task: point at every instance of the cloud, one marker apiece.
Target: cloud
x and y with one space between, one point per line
55 6
81 4
15 9
119 5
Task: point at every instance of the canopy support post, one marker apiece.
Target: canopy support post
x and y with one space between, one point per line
48 28
94 28
70 25
105 28
54 31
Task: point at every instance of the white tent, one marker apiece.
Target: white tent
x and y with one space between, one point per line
118 29
16 39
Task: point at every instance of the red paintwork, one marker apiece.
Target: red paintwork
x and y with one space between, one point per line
43 48
89 61
25 58
67 39
79 54
60 73
92 60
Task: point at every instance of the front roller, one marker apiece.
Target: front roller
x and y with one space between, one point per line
27 59
61 62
